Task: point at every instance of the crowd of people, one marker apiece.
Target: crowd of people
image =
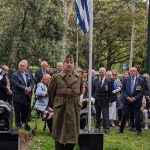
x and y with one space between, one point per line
122 101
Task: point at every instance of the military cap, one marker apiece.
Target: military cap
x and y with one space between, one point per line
69 57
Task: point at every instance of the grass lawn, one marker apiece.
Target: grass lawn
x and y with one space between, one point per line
113 141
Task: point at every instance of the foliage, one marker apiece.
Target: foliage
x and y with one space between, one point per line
112 33
34 29
31 30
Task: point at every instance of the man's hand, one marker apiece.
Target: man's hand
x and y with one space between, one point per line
142 108
133 99
129 99
113 92
27 90
9 92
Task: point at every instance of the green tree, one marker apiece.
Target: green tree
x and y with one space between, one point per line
112 33
31 30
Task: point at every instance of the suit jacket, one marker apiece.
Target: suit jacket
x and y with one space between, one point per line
19 86
102 95
92 84
39 75
137 93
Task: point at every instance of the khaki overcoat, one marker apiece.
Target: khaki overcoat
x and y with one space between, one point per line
66 121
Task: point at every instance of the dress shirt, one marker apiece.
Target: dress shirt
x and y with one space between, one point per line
24 77
132 84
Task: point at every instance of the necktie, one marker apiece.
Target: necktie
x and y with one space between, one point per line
132 85
24 77
100 82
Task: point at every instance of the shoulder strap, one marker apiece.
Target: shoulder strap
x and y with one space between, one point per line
68 85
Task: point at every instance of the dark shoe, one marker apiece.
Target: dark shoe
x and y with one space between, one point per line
27 127
131 129
106 131
18 126
97 127
139 133
23 125
120 131
112 123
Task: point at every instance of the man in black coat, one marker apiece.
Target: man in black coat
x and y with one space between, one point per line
39 74
102 89
132 94
5 84
59 68
22 86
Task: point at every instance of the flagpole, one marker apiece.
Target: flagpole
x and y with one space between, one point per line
90 61
148 41
77 49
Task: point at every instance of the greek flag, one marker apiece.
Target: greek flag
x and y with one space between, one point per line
82 12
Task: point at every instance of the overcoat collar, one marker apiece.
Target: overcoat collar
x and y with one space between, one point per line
63 73
74 77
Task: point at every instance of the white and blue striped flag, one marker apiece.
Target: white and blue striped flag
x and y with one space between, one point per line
82 12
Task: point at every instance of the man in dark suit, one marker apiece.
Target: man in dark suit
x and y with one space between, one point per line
132 119
102 89
22 86
39 74
30 75
132 93
59 68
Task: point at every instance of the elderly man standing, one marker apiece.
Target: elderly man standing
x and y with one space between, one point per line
59 68
102 89
39 74
22 86
64 90
132 93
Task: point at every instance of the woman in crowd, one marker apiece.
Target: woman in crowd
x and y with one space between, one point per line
43 100
115 89
5 85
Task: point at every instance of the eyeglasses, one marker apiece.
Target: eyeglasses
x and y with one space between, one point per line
114 74
47 79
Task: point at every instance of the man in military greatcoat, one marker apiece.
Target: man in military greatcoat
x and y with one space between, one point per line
64 90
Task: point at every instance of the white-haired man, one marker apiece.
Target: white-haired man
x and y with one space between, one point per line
102 89
132 94
39 74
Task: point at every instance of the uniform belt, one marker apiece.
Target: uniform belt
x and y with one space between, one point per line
68 95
